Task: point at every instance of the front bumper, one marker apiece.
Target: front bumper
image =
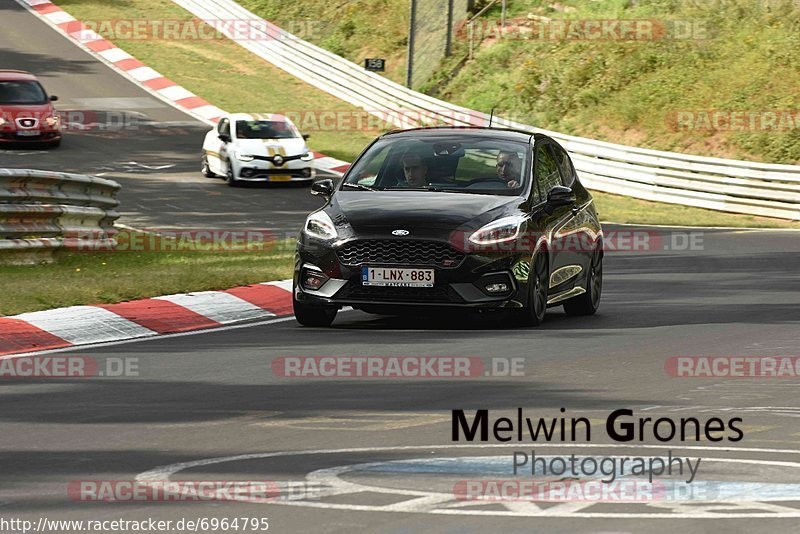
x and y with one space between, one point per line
462 285
44 136
262 171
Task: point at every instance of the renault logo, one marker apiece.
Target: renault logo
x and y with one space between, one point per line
277 161
400 232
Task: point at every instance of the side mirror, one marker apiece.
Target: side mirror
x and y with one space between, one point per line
53 98
306 136
322 188
225 138
560 196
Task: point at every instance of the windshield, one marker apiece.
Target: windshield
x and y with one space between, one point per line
265 130
22 92
456 163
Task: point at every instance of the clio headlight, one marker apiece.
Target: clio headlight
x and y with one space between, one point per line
243 156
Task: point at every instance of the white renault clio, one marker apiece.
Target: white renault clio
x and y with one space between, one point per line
257 148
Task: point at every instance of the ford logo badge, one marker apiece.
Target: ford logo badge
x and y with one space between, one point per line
400 232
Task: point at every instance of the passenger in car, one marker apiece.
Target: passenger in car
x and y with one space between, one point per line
508 167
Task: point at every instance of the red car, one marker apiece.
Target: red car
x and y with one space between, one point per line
27 114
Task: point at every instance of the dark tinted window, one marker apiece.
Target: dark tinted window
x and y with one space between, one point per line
565 166
454 163
547 175
264 130
537 195
22 92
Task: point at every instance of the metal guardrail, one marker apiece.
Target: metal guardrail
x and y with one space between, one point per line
752 188
41 211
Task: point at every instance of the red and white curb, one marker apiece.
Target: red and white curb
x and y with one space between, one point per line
169 314
142 75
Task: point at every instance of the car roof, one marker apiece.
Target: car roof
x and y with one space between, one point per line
10 74
507 134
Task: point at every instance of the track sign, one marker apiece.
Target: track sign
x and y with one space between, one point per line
375 64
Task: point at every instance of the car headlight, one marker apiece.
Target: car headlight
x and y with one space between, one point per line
4 121
307 156
52 121
243 156
320 225
499 231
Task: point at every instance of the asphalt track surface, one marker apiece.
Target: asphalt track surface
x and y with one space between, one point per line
150 147
214 394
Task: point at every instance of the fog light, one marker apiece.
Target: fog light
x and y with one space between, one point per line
314 280
306 172
497 288
246 173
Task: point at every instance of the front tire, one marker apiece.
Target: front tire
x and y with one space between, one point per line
205 169
538 284
587 303
310 315
230 178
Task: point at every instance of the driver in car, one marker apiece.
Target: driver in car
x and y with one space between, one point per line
415 170
508 168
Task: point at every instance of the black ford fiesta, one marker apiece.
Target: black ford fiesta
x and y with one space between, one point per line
475 218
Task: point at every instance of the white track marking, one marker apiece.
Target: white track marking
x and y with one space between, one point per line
78 348
78 324
176 92
114 55
218 306
208 112
144 74
59 17
328 476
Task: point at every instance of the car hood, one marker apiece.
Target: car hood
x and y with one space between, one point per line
269 147
419 211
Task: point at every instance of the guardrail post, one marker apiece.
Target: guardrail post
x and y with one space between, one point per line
412 21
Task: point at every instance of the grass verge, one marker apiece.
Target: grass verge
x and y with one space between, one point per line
621 209
77 278
227 75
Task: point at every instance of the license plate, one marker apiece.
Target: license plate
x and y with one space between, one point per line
28 133
391 276
280 178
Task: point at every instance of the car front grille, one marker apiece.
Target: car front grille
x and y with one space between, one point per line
400 252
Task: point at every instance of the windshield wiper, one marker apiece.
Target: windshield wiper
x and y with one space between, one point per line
360 186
